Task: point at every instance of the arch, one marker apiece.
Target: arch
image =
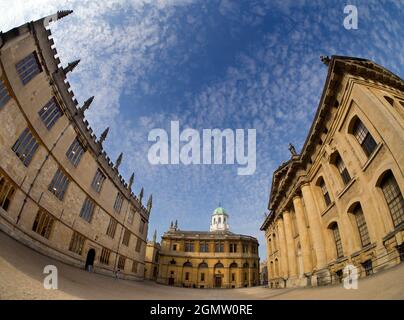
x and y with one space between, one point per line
233 265
333 227
173 261
393 196
276 268
219 265
90 260
203 265
362 135
187 264
320 183
390 100
246 265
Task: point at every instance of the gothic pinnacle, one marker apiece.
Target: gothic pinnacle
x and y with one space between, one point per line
118 161
131 179
150 203
63 13
87 104
103 136
325 59
71 66
141 195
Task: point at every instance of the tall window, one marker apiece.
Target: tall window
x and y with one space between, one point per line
394 198
364 138
362 227
337 240
131 216
134 266
141 226
138 245
118 202
121 262
75 152
6 192
189 246
245 248
4 97
59 184
43 224
126 238
98 180
204 246
25 147
219 246
343 171
50 113
233 247
202 276
77 243
111 228
28 67
325 193
87 210
104 257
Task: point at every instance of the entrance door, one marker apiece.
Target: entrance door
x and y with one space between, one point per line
90 260
218 281
171 281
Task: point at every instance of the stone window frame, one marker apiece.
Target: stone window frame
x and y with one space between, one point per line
105 256
336 236
362 136
26 146
7 191
43 223
121 262
118 202
337 161
59 184
77 243
28 67
87 210
126 237
98 180
111 230
138 247
50 113
75 152
4 94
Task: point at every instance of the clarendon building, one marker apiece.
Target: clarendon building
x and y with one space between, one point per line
209 259
337 207
60 194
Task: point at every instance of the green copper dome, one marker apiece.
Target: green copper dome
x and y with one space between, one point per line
219 210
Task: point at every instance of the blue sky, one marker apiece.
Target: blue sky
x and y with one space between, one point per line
209 64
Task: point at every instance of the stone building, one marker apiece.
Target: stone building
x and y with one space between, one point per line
152 259
209 259
264 273
60 193
339 202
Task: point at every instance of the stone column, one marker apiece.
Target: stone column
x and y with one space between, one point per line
283 256
290 244
315 226
303 234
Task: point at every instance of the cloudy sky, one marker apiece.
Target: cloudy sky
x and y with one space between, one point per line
208 64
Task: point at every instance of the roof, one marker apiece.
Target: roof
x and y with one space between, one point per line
207 235
220 211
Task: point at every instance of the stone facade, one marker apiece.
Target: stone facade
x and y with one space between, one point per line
202 259
339 202
152 259
60 193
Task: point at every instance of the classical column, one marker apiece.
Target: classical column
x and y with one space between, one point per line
283 272
315 226
303 234
290 244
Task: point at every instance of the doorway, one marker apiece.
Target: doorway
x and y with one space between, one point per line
171 281
90 260
218 281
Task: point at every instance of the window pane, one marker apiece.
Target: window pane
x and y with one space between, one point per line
4 97
28 68
50 113
75 152
25 147
394 198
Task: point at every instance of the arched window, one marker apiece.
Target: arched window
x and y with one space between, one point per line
276 268
361 224
364 138
270 246
219 265
337 239
389 100
275 243
187 264
220 220
324 191
233 265
343 171
6 193
246 265
394 197
203 265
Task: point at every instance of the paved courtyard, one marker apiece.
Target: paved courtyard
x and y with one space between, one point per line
21 277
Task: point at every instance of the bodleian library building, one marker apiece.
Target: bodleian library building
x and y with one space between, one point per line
340 201
60 194
217 258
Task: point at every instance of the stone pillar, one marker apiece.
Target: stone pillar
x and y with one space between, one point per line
290 244
283 256
315 226
303 234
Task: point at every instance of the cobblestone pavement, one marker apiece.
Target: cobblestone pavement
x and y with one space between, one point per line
21 277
